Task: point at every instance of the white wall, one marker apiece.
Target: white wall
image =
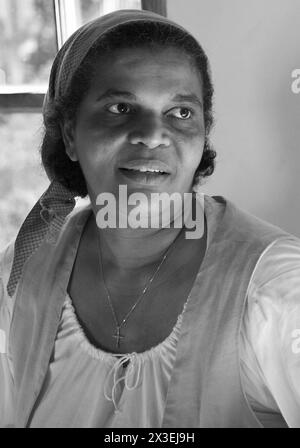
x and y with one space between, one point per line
253 46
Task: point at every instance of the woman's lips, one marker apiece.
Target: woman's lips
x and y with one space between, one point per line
144 176
146 166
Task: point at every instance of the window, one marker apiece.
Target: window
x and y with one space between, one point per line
70 14
22 179
31 31
27 47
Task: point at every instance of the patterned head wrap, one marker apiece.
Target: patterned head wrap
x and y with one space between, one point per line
49 213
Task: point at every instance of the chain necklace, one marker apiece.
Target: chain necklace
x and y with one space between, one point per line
118 335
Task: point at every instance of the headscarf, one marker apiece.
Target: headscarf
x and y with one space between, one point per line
46 218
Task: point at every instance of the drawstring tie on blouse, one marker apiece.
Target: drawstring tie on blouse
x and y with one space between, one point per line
129 375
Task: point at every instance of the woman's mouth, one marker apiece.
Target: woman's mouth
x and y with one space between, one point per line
146 176
146 172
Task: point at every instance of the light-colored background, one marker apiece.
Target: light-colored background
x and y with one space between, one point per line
253 46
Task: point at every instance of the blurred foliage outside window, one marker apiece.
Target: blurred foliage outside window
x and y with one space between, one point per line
89 9
28 44
28 41
27 49
74 13
22 180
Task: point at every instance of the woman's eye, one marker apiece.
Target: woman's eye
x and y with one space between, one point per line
183 113
120 108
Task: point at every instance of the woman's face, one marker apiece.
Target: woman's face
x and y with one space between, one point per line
141 123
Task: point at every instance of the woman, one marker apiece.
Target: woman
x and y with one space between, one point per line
142 327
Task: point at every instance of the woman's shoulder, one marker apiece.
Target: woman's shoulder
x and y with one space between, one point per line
235 224
279 261
274 289
76 217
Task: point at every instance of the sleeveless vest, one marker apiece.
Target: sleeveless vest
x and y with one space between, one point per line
205 387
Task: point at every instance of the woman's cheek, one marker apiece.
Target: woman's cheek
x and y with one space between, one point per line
190 140
96 139
190 146
187 130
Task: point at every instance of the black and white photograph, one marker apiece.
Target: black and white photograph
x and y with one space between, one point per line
150 216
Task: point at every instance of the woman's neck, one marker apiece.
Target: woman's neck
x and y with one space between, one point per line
133 248
130 256
138 248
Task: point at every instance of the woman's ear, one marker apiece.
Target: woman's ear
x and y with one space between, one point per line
67 131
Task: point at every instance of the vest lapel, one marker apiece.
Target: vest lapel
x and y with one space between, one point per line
205 388
39 300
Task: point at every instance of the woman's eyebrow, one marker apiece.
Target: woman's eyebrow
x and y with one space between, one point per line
190 98
112 93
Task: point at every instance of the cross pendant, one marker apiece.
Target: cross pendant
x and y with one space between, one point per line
118 336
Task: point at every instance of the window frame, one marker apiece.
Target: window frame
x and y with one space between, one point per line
29 98
158 6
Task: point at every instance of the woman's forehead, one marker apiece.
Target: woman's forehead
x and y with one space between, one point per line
148 53
169 66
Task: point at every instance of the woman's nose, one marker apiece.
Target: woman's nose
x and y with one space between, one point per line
149 132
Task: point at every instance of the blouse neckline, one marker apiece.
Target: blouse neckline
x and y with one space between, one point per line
100 354
166 344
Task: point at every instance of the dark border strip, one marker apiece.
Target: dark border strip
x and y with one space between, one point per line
21 102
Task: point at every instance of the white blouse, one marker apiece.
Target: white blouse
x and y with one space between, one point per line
87 387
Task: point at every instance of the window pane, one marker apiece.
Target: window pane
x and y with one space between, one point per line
90 9
27 41
22 180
